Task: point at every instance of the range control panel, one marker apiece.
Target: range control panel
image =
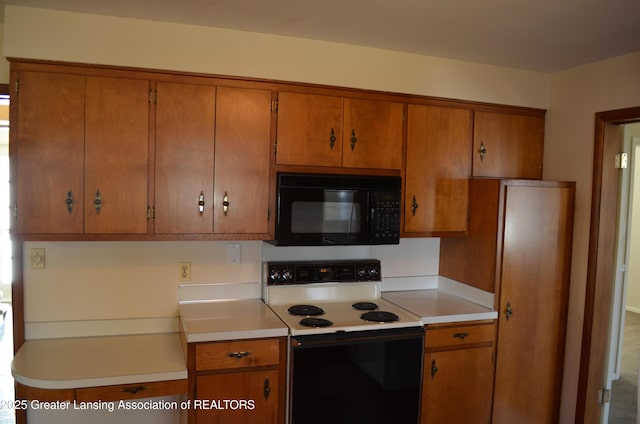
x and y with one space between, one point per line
304 272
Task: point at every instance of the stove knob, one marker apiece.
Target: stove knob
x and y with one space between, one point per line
374 273
274 276
362 273
287 275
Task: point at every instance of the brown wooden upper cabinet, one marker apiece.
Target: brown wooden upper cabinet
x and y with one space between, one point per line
243 162
508 145
438 167
212 159
82 145
332 131
185 131
50 145
116 155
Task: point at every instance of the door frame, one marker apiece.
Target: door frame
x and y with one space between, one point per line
601 262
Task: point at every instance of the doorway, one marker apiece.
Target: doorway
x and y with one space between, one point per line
624 345
593 393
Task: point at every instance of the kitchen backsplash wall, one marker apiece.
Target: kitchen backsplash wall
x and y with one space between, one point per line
84 281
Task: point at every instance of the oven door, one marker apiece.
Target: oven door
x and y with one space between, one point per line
356 377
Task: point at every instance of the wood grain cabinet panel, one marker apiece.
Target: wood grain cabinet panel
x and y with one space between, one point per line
508 145
438 167
243 162
250 397
237 354
332 131
459 335
309 129
82 154
372 134
116 155
132 391
50 153
519 246
458 373
185 131
457 386
248 376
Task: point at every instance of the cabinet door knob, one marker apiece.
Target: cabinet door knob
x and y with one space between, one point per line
267 388
354 139
332 138
97 201
414 205
434 369
201 203
225 203
508 312
69 201
482 150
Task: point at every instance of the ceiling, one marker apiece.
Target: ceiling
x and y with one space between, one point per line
536 35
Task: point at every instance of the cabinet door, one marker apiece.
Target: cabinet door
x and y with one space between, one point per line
116 155
372 134
309 130
533 303
507 146
50 153
438 166
243 161
251 397
457 386
185 128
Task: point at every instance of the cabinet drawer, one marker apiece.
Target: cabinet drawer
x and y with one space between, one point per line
237 354
459 335
132 391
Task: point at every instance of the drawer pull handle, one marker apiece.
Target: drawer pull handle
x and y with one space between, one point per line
434 369
239 355
460 336
133 390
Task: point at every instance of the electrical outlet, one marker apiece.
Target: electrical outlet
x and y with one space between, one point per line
37 258
233 253
184 271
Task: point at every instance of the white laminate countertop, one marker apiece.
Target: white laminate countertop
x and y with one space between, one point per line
70 363
229 320
437 306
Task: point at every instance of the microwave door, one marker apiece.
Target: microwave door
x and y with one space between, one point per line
323 217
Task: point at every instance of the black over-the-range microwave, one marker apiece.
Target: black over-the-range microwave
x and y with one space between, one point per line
322 209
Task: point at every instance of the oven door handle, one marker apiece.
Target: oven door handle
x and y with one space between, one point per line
347 337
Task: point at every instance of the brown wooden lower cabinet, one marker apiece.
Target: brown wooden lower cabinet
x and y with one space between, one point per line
25 395
458 373
237 382
241 397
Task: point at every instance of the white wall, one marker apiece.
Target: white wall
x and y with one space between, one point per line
576 95
74 37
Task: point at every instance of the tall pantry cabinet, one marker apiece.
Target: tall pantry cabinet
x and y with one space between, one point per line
519 246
